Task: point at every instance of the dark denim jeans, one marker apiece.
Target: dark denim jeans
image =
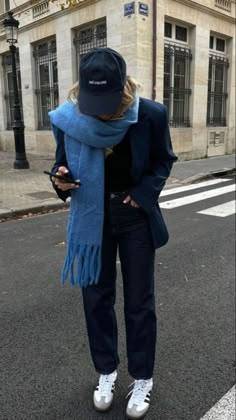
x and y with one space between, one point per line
126 229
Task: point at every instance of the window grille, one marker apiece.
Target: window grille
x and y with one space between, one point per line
217 91
177 84
45 56
94 36
9 91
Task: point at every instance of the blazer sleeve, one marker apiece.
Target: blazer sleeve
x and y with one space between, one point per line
147 191
61 160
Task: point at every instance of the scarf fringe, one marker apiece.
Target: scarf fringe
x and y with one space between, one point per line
82 265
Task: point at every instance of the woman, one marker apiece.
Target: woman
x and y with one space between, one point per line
115 208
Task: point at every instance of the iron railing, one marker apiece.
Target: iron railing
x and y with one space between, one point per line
94 36
45 56
217 91
177 90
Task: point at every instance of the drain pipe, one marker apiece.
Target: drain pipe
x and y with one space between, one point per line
154 48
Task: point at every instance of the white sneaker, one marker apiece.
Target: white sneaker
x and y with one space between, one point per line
139 402
103 394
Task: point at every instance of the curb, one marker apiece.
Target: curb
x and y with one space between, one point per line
32 211
207 175
224 172
52 208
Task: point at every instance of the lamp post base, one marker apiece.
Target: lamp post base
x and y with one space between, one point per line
21 164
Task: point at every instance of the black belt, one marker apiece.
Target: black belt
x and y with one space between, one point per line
114 194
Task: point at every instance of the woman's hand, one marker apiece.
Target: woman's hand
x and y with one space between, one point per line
128 199
64 186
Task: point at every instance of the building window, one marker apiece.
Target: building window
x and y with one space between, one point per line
168 30
9 91
217 44
220 45
217 82
87 38
211 42
177 59
45 56
180 33
7 5
176 32
217 91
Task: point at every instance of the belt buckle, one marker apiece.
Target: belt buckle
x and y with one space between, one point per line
115 194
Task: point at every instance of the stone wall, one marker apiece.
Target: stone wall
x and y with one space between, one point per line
133 37
193 143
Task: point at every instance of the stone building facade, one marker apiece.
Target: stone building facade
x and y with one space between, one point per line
181 51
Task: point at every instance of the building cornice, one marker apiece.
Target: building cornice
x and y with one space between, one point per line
55 15
208 10
44 19
29 4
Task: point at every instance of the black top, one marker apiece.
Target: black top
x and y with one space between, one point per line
118 167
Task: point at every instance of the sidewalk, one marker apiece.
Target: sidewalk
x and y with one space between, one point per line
27 191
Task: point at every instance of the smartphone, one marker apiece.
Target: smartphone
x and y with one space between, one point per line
63 178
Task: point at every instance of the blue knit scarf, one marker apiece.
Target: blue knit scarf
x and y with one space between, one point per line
85 140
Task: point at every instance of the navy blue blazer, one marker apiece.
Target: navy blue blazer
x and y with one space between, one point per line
152 160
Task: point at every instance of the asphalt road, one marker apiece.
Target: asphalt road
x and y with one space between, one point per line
45 367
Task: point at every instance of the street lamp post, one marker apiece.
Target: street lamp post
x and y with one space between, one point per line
11 28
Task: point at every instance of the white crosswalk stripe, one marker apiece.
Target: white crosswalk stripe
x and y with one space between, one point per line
193 186
223 210
183 201
223 409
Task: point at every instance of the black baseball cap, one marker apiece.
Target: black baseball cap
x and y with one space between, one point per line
102 77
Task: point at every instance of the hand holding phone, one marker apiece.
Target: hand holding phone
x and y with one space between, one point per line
63 178
62 181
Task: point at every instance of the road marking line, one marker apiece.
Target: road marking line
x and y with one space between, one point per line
223 409
183 201
223 210
177 190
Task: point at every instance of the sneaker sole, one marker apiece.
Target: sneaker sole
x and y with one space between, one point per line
136 418
99 410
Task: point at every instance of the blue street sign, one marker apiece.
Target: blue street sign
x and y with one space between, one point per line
143 9
129 8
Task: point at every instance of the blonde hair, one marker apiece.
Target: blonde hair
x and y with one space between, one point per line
130 90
